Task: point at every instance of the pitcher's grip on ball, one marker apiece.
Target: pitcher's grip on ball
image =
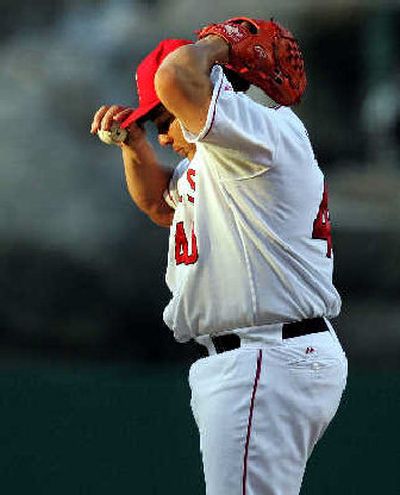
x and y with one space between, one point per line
115 135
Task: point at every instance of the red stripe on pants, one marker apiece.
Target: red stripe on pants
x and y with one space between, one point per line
250 421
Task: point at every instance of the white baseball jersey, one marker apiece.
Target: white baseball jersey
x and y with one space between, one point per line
250 242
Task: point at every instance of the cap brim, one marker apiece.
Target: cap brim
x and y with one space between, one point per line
138 114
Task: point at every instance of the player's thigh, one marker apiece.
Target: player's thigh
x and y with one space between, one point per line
259 424
222 387
297 396
316 373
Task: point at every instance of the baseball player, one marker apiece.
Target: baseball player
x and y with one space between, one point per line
250 251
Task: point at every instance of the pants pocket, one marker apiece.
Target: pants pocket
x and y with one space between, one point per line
313 363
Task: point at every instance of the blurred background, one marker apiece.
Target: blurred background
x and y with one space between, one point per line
93 388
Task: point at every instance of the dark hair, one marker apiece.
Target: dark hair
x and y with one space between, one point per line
238 83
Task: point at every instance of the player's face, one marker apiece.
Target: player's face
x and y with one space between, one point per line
170 134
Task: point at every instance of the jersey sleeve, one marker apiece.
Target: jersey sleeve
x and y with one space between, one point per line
171 194
236 122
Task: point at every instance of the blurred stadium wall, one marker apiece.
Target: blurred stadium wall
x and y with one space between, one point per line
82 271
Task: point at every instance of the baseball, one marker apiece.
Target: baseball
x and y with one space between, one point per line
115 135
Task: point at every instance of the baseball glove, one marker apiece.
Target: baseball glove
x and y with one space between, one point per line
265 54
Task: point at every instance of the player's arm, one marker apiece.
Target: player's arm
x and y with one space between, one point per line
146 178
183 80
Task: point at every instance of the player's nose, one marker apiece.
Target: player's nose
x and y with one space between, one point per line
164 139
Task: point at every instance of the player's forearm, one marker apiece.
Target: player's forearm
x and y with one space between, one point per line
183 82
195 60
147 180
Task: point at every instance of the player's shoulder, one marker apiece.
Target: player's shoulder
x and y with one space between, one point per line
290 123
285 114
242 106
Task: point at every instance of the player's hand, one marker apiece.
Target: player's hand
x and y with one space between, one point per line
106 115
136 135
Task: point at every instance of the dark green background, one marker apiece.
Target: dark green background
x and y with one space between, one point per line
102 429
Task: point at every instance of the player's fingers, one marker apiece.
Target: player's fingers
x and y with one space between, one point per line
136 133
108 117
123 114
98 116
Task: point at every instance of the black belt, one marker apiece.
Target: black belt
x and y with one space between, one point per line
231 341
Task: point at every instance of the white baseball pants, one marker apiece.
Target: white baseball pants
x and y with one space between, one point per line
260 410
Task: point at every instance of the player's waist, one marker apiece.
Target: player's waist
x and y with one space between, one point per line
262 335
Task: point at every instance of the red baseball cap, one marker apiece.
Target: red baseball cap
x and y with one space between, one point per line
145 74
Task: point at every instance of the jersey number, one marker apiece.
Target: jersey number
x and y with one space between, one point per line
184 253
322 224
